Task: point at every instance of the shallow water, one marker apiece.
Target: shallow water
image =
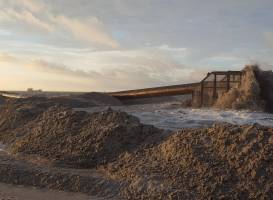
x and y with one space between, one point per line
172 116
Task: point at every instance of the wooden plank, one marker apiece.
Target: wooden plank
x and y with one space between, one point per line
150 94
146 90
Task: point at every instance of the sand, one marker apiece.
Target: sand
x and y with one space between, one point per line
20 171
80 139
122 157
72 101
246 95
11 192
112 154
254 93
222 162
15 114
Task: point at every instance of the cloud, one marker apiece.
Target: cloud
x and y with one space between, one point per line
28 18
59 69
90 30
119 70
8 58
168 48
33 5
36 15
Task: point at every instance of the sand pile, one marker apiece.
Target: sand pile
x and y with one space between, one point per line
87 100
100 99
16 114
19 172
73 101
222 162
81 139
244 96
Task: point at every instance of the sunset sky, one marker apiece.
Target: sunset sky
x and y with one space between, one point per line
106 45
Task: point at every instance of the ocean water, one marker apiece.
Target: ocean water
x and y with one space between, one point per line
172 116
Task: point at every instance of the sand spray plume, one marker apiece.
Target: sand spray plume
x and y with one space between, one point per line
246 95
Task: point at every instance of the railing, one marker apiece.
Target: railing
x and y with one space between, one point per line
203 93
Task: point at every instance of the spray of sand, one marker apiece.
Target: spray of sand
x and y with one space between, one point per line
246 95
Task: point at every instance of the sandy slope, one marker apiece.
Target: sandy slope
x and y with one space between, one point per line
10 192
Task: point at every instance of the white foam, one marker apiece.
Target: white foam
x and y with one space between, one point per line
172 116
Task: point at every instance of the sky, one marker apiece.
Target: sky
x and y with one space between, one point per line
109 45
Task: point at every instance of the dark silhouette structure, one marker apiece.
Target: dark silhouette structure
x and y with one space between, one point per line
203 93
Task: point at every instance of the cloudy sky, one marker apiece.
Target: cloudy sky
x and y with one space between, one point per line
106 45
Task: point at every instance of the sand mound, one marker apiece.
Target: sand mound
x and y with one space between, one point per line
81 139
87 100
244 96
222 162
72 101
16 114
100 99
91 182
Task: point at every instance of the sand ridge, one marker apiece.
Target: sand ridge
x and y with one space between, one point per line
222 162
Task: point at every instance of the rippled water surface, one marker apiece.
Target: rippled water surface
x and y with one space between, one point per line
172 116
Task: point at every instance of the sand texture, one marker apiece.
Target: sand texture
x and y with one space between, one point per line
221 162
80 139
11 192
111 154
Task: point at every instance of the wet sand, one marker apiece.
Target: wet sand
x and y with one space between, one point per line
11 192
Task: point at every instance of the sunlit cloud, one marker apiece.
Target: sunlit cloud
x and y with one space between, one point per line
138 71
89 30
28 18
7 58
32 5
112 45
37 15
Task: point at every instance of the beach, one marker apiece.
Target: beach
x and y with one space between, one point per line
11 192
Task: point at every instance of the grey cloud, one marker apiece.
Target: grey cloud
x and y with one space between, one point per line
37 15
158 41
269 38
207 28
